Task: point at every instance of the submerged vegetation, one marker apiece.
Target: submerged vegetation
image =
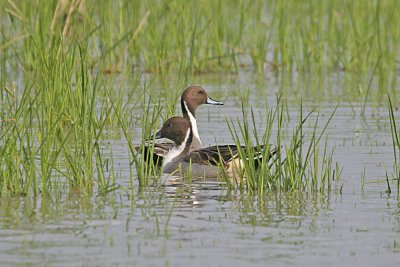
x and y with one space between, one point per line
62 64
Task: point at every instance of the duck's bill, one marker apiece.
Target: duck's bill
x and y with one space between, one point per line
158 135
213 102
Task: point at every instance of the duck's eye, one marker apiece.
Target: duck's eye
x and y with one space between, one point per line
169 125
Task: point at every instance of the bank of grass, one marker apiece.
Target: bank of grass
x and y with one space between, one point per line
201 36
302 40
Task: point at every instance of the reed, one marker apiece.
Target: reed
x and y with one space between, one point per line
167 36
56 123
396 145
147 170
298 165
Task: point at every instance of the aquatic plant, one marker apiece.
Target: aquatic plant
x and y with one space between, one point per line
289 165
147 170
52 123
396 146
173 37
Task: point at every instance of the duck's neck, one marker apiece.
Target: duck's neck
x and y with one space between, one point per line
179 151
196 142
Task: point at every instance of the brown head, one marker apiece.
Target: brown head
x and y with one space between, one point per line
176 129
193 97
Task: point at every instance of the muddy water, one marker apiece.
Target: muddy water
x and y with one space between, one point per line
205 225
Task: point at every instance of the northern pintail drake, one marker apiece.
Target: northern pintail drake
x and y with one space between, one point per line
192 97
204 162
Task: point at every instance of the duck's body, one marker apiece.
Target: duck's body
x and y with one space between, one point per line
204 162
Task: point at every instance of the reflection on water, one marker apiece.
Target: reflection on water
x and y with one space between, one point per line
183 223
38 229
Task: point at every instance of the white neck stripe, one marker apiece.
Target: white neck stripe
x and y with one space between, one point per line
176 150
194 124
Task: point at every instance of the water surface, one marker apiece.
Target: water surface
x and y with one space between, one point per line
204 224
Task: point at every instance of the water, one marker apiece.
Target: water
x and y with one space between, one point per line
357 224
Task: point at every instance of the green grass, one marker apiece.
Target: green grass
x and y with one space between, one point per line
298 163
56 129
146 169
396 147
201 36
64 72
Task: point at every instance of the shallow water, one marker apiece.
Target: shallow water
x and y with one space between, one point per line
203 224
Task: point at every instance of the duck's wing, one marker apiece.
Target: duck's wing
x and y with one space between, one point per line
226 152
215 155
160 149
230 152
159 152
204 156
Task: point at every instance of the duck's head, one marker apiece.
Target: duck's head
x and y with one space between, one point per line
194 96
177 129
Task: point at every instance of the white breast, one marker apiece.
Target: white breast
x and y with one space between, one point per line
176 150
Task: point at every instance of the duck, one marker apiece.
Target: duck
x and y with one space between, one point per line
204 162
192 97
